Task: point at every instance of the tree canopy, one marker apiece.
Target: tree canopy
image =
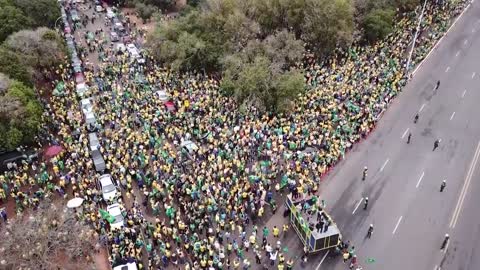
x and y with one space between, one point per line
20 114
241 38
49 239
27 49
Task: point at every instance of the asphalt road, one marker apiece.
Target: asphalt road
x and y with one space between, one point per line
409 213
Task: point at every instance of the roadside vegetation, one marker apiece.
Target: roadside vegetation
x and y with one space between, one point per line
29 48
258 46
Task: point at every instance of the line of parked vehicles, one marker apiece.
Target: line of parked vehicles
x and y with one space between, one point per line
105 182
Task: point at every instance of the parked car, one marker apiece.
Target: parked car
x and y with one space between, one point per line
119 28
120 47
162 95
79 78
16 156
81 89
189 146
93 141
86 105
133 51
91 121
98 161
127 39
114 36
115 211
108 188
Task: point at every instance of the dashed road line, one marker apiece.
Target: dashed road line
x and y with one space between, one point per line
446 70
405 133
421 108
384 164
323 259
473 75
457 53
356 207
420 180
465 42
398 223
464 92
453 114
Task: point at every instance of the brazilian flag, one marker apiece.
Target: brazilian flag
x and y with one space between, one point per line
105 215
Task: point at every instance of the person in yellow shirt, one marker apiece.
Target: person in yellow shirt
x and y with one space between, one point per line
275 231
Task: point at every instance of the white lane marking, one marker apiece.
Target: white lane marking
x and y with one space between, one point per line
453 114
384 164
465 42
473 75
398 223
440 40
446 70
457 53
405 133
356 207
464 92
421 108
323 259
420 180
466 184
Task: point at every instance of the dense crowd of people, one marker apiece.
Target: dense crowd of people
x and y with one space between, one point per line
198 206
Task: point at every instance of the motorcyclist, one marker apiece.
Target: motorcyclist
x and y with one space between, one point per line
370 231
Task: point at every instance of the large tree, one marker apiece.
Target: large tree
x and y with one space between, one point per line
378 24
327 24
12 65
20 115
26 53
41 12
260 74
12 19
48 239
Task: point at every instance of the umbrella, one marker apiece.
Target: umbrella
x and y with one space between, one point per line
75 202
53 150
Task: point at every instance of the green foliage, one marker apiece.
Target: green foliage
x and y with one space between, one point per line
193 3
31 51
144 11
11 65
14 138
21 92
20 115
41 12
12 20
378 24
260 74
328 23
